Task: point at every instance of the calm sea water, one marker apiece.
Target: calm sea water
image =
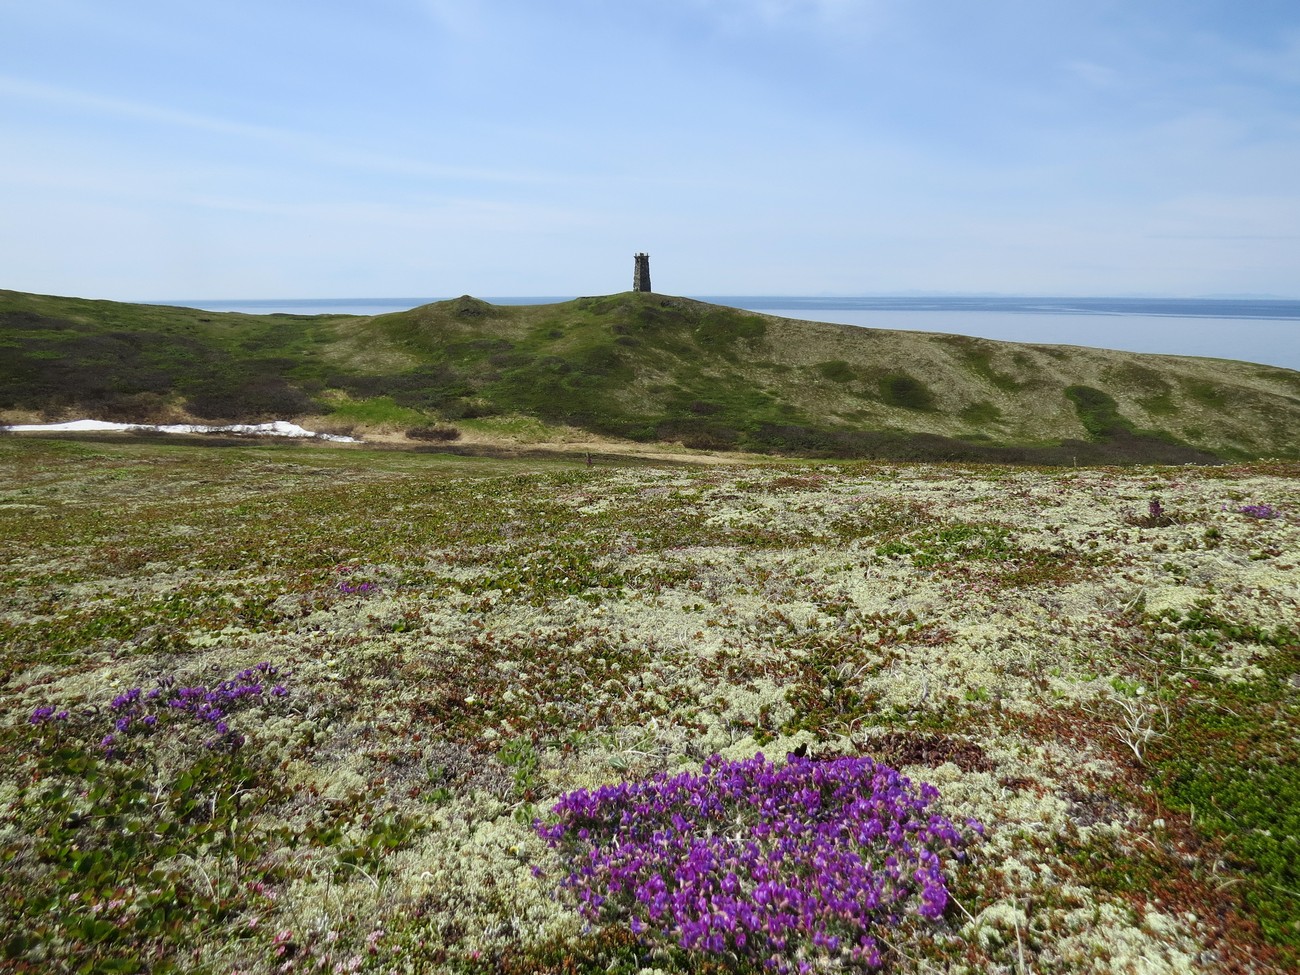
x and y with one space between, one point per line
1248 329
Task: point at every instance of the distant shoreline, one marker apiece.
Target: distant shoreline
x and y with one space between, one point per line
1282 309
1259 330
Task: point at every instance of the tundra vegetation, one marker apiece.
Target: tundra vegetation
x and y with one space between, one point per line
643 367
298 709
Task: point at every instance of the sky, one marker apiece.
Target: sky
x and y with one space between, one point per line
170 150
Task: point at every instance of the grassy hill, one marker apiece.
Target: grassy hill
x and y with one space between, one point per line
646 367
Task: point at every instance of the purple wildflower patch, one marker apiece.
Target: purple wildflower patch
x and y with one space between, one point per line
357 588
1261 511
1157 516
348 587
136 708
782 864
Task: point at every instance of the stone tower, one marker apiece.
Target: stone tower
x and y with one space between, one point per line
641 273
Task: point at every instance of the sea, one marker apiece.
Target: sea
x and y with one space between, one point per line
1260 330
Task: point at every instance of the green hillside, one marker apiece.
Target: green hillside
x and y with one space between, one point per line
645 367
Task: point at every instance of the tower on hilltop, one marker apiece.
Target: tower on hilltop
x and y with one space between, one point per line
641 273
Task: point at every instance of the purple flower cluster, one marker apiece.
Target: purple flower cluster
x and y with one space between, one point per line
787 864
1257 511
47 713
137 708
354 588
349 588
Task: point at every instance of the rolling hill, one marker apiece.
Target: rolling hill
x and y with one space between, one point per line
644 367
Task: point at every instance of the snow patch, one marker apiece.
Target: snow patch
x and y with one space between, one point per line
276 428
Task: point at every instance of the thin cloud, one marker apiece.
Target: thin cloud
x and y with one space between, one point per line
303 143
125 108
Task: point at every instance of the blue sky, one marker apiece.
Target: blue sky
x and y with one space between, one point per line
180 150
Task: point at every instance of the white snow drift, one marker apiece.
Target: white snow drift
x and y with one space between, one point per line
276 428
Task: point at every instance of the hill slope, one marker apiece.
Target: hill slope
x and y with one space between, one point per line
647 367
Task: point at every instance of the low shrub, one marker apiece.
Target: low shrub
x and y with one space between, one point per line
439 432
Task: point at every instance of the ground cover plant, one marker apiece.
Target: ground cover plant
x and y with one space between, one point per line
290 709
795 866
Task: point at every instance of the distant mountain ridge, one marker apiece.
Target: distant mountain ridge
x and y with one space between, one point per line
645 367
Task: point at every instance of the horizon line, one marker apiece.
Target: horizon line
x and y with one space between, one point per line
771 296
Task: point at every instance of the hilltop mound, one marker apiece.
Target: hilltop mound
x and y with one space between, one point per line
647 367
